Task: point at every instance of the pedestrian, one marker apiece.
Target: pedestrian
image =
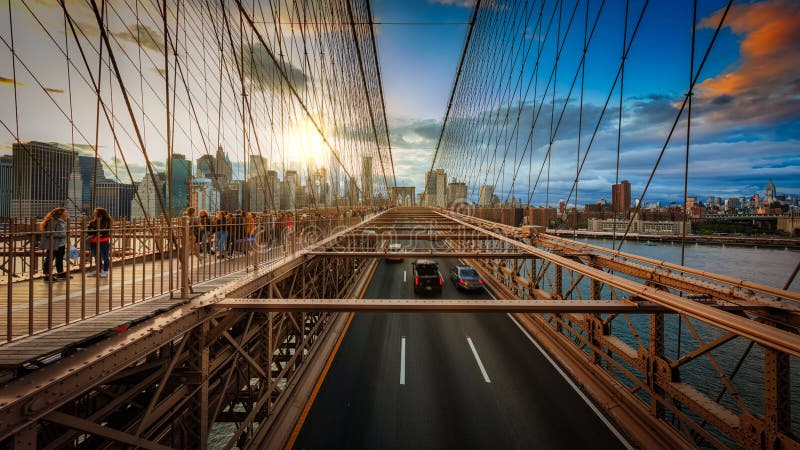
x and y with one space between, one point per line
205 231
220 234
194 231
54 243
99 236
231 228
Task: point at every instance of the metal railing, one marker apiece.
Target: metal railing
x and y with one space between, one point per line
145 261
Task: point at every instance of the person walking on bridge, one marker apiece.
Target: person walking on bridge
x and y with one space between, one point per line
220 234
99 238
54 243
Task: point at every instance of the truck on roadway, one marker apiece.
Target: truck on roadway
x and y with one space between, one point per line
427 278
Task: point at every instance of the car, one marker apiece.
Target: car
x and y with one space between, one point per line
467 278
427 278
394 252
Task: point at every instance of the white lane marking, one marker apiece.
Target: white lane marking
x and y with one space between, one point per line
569 381
580 393
404 276
403 360
478 359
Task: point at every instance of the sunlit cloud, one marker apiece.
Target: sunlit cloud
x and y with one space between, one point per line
764 86
10 81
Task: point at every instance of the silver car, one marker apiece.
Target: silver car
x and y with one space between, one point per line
467 278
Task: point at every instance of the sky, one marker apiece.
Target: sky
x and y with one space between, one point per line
746 111
746 115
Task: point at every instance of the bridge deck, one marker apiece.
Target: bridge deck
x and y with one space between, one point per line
466 380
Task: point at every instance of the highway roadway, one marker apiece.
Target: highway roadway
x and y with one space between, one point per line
433 381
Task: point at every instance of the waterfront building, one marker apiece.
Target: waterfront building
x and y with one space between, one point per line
674 228
621 197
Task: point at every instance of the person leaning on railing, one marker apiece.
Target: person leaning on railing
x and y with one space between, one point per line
54 243
98 238
220 234
195 231
205 231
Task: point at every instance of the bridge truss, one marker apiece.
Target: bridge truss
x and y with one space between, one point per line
236 362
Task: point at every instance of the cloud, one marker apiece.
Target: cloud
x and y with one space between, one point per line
10 81
54 90
260 69
764 85
414 134
144 36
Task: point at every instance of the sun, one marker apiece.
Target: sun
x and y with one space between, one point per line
305 145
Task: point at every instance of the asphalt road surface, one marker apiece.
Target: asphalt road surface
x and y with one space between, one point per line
434 381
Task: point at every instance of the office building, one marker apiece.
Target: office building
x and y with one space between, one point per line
485 195
6 164
148 192
181 177
205 195
366 179
116 198
621 197
41 174
456 193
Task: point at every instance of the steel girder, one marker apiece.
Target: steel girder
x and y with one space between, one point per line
629 369
173 380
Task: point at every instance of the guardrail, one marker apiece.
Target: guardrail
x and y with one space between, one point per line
166 257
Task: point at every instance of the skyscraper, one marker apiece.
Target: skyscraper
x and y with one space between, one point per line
91 172
181 184
436 188
366 179
274 189
6 164
621 197
206 167
148 193
456 193
116 197
258 195
258 166
205 195
223 167
289 190
41 175
485 195
770 193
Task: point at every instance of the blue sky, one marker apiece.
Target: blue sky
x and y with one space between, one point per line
743 134
746 123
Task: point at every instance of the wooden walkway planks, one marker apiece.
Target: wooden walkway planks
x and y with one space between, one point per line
40 346
84 296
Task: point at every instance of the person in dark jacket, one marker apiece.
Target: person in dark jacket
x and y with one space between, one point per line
220 234
205 231
99 240
54 243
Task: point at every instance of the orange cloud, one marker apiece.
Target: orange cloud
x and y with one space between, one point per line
770 49
10 81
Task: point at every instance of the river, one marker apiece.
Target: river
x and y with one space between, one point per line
767 266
